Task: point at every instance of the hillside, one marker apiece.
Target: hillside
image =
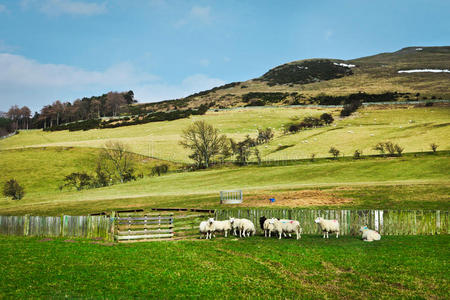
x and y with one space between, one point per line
301 82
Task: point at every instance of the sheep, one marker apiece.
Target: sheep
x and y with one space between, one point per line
328 226
261 222
369 235
222 226
235 225
291 226
274 225
207 228
247 226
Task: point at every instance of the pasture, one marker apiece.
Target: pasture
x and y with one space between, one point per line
412 182
395 267
414 128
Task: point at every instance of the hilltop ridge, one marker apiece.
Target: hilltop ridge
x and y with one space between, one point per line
302 81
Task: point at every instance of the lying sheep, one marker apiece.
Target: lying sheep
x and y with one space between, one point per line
246 227
328 226
291 226
207 228
369 235
222 226
235 223
274 225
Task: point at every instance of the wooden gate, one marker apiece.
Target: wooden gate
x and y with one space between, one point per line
143 226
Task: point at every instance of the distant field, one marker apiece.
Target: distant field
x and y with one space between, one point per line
395 267
413 128
407 182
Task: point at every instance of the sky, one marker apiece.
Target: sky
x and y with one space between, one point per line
161 49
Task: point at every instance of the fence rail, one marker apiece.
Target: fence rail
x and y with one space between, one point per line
181 224
387 222
58 226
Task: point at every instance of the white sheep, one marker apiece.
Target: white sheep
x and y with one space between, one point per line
291 226
246 227
235 223
274 225
207 228
328 226
222 226
369 235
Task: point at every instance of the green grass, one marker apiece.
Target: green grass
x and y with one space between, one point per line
412 128
369 183
395 267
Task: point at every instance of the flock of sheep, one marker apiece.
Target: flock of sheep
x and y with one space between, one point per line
280 227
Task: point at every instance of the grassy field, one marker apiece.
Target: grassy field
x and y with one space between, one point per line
395 267
413 128
408 182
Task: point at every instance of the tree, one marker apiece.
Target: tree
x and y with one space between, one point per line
78 180
334 151
434 147
264 135
204 141
117 162
326 118
114 101
25 113
243 150
13 189
160 169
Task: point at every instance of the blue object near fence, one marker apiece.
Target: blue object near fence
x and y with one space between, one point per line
272 200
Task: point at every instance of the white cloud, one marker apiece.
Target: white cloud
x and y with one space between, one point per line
197 14
27 82
71 7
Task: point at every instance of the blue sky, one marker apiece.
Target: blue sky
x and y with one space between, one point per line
161 49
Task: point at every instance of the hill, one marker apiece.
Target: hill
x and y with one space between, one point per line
301 82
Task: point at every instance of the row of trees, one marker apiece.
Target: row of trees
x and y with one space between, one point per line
110 104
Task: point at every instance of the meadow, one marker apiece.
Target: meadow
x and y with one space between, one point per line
395 267
414 128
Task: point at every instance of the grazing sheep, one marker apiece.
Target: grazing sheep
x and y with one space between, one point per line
261 222
235 223
328 226
207 228
247 227
291 226
222 226
274 225
369 235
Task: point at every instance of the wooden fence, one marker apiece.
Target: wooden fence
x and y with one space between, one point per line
59 226
183 224
387 222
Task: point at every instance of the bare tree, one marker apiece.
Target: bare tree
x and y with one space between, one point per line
25 115
204 141
114 101
115 160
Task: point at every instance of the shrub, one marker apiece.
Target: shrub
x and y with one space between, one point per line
326 118
13 189
264 135
434 147
160 169
334 151
350 108
78 180
379 147
398 149
357 154
390 148
313 156
428 104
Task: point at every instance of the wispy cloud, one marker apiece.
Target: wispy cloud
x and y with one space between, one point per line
27 82
71 7
328 34
204 62
197 14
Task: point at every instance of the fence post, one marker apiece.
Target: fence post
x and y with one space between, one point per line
26 225
61 226
112 223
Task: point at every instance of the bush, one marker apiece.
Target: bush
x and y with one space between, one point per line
78 180
350 108
357 154
326 118
390 148
434 147
264 135
334 151
13 189
160 169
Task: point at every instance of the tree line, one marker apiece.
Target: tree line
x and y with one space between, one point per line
107 105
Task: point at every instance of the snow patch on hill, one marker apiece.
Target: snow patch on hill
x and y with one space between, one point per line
425 70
